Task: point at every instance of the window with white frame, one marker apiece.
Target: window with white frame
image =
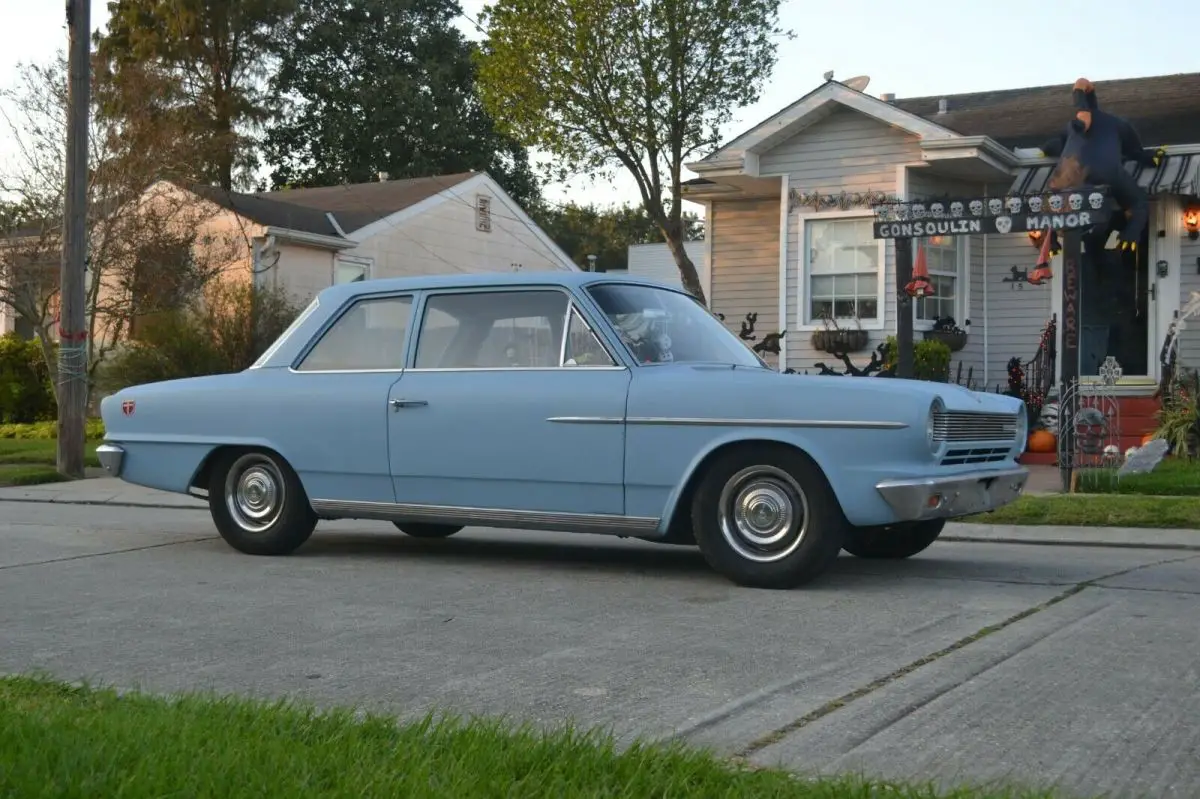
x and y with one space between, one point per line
350 271
842 269
943 257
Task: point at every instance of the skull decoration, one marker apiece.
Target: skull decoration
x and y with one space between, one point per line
1014 205
1035 204
1004 224
918 211
1075 201
1096 199
956 208
977 207
938 210
900 211
995 205
1056 203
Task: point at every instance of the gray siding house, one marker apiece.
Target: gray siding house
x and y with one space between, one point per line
788 213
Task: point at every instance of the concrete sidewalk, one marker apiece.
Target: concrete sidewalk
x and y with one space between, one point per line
117 493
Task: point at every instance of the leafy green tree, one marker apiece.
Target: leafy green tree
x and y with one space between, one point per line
607 233
204 64
379 86
644 85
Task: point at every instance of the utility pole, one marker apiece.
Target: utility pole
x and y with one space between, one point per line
72 322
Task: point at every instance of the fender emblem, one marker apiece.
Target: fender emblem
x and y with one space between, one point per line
127 407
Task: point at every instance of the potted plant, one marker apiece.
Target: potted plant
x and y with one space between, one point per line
949 333
837 340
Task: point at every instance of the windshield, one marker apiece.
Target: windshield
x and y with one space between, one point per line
662 326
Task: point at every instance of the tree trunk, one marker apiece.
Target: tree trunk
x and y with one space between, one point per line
687 270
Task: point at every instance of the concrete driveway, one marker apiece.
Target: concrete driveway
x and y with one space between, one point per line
975 661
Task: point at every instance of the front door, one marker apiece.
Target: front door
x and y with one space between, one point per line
1119 295
487 417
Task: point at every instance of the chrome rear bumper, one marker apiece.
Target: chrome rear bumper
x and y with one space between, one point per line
948 496
111 457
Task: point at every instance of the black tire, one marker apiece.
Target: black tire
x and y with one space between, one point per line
258 503
893 542
798 542
422 530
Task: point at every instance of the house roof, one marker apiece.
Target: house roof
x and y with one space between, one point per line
1164 109
354 205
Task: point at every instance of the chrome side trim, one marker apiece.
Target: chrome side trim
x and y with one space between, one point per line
521 369
612 524
700 422
111 458
950 495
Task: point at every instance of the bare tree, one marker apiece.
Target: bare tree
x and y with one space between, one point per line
150 245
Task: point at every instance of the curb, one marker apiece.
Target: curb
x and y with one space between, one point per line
101 503
1052 542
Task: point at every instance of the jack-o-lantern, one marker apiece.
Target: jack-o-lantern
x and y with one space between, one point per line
1042 441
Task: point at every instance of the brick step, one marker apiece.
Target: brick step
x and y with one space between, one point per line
1038 459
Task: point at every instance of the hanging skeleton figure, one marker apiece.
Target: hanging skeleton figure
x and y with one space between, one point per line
1092 150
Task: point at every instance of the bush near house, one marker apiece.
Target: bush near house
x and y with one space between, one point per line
25 391
225 333
931 359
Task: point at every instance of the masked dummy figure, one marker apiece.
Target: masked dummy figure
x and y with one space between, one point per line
1092 151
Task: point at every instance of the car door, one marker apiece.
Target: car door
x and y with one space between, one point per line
334 415
488 414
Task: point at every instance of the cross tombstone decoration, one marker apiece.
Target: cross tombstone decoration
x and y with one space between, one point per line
1069 212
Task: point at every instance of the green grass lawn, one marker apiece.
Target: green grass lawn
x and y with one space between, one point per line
57 740
1174 477
1097 510
32 461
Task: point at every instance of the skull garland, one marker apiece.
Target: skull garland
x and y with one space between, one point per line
1075 201
956 208
1096 200
918 211
1035 204
995 206
937 210
977 207
1014 205
1056 203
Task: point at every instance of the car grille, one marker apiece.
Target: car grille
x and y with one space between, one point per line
966 426
961 456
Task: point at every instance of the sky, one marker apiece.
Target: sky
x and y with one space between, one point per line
918 48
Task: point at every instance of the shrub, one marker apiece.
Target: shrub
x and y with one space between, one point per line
226 333
931 359
42 431
25 391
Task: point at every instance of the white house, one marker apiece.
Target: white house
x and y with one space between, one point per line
655 262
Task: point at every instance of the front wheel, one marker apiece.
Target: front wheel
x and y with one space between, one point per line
765 517
422 530
258 504
893 542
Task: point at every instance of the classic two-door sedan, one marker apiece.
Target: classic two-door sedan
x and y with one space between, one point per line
575 402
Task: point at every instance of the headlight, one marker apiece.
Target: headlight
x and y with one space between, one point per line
1022 426
935 409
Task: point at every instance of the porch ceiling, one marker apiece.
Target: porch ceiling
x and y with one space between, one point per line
1176 174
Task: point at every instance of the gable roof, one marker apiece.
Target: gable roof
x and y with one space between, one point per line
1164 109
353 205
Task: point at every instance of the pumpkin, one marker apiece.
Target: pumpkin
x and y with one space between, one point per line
1146 439
1042 441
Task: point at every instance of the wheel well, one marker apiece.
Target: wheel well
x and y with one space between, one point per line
680 527
204 472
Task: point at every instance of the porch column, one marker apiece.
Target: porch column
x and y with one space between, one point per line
904 315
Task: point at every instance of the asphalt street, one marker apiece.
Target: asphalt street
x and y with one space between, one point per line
974 662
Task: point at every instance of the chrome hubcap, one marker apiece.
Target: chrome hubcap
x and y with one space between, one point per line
254 493
764 513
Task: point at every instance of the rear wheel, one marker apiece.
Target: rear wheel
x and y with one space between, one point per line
765 517
421 530
893 542
258 504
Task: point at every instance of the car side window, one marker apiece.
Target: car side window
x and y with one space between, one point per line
492 330
370 336
583 348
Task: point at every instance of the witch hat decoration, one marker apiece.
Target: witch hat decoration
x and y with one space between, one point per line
920 285
1041 272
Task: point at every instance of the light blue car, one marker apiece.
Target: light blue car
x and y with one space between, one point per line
575 402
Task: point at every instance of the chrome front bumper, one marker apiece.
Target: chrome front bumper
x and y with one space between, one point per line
945 497
111 457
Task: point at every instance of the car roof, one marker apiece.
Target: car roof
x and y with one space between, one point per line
339 293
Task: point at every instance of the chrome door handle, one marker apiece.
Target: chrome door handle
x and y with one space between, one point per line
397 404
